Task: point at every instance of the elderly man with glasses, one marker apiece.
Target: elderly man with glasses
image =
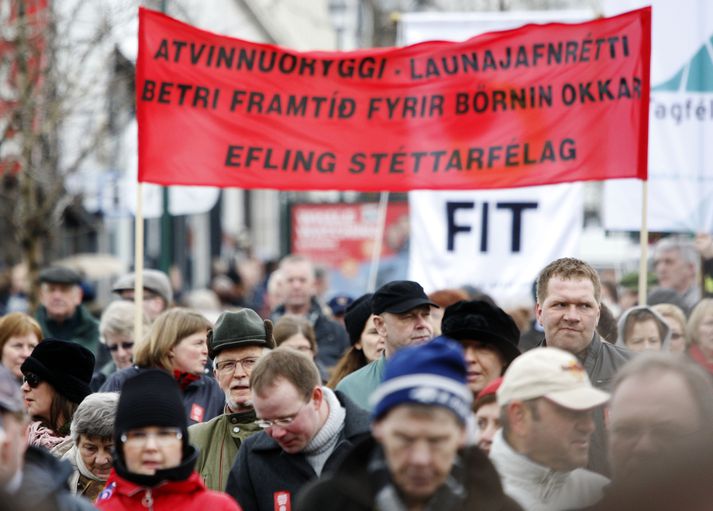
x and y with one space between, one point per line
238 340
308 431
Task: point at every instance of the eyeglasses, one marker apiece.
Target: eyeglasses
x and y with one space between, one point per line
124 345
228 366
162 437
281 422
32 380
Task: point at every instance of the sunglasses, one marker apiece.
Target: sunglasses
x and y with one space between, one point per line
32 380
125 345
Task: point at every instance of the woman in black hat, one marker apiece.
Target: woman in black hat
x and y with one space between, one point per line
154 463
367 344
56 379
489 337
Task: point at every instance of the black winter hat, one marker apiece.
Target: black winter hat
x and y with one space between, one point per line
65 365
356 317
151 398
399 296
480 321
242 328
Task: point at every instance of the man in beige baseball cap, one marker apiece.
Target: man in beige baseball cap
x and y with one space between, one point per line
546 406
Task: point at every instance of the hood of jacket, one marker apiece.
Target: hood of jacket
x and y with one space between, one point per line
663 326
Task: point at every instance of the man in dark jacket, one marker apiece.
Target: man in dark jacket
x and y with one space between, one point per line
31 475
416 458
300 299
62 315
308 429
568 308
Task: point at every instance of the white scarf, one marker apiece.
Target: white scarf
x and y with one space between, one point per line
320 448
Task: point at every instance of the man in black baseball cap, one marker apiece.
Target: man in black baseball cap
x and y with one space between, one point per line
402 316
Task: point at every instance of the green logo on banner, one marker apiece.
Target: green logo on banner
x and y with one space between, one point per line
698 73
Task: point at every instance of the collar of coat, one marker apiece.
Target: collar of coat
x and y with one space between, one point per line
356 424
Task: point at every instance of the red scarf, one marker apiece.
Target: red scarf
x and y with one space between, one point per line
185 379
699 358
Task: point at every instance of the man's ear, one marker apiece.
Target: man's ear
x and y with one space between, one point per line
317 396
380 325
377 430
538 313
517 414
78 295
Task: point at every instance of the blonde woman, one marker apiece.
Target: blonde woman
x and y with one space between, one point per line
676 321
700 334
177 343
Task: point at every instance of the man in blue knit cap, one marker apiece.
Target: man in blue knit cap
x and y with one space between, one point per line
415 457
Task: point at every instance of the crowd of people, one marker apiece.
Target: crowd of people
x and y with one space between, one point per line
394 400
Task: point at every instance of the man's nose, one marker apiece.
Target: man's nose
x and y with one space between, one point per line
423 322
420 454
571 313
585 423
277 432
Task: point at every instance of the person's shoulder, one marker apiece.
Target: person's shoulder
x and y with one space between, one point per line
588 477
116 380
201 429
218 500
618 354
259 441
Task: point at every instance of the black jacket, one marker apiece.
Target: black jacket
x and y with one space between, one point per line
353 488
202 399
263 470
44 484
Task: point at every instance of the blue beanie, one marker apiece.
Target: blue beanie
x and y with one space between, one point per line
432 374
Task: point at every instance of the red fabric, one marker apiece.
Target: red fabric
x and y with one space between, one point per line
699 358
579 111
184 379
189 495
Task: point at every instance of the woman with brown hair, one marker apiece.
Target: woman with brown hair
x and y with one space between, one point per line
367 344
297 333
177 343
56 380
19 334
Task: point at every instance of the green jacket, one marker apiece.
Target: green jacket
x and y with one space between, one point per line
218 441
359 385
82 328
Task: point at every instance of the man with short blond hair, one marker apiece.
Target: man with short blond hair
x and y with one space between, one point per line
307 430
568 308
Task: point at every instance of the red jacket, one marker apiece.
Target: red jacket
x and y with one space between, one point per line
188 495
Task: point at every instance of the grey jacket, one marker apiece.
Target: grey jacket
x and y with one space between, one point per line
263 472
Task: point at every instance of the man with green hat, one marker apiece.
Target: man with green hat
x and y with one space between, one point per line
238 340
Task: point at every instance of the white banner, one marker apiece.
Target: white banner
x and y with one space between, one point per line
680 121
495 240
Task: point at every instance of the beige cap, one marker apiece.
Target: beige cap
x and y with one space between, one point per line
551 373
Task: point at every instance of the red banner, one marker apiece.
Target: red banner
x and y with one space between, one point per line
536 105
